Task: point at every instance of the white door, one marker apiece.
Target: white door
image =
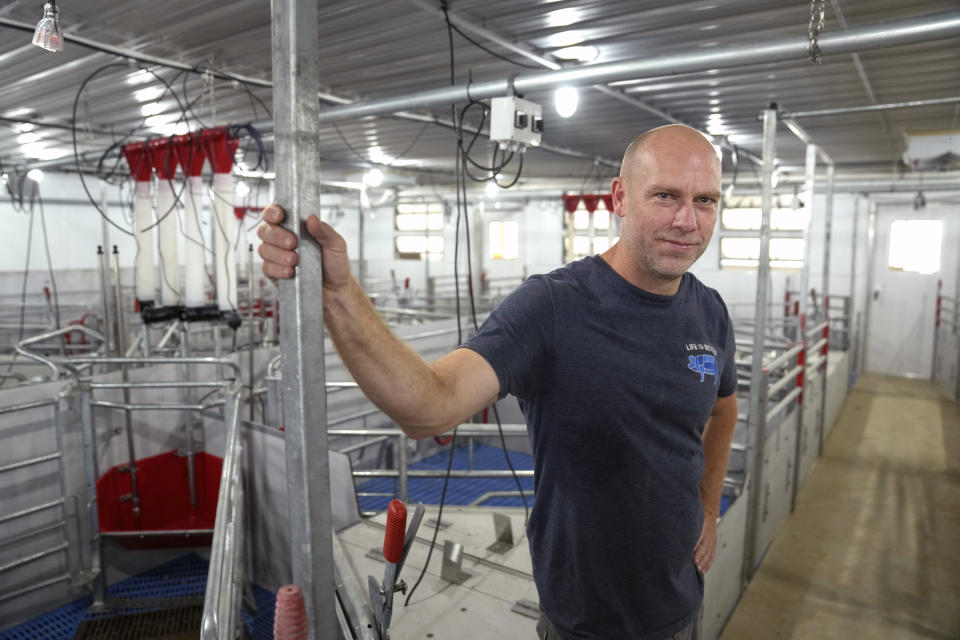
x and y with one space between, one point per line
903 302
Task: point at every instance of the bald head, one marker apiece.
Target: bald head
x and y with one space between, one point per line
669 139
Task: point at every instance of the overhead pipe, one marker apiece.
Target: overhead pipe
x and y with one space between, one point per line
872 107
613 92
880 36
141 170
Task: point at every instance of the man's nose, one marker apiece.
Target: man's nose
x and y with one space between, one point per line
685 218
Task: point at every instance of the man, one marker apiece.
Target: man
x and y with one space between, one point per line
623 365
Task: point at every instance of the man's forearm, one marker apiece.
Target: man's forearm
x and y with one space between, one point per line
717 436
391 374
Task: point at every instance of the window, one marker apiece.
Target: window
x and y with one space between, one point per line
591 233
785 253
739 231
504 240
915 246
749 219
419 230
415 247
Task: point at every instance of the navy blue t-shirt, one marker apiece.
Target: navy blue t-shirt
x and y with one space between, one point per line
616 385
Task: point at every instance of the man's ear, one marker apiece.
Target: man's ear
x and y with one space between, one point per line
619 192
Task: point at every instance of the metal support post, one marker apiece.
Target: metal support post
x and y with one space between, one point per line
105 300
145 340
853 327
296 113
809 187
936 330
188 418
757 416
871 258
250 347
91 473
128 419
361 265
827 238
403 462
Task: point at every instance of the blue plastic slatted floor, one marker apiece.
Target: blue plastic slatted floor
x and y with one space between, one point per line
461 491
185 576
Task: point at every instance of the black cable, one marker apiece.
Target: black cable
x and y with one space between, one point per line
491 52
46 247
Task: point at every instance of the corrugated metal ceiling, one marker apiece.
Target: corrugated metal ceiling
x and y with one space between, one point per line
377 48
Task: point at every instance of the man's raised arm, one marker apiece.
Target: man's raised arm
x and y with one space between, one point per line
424 399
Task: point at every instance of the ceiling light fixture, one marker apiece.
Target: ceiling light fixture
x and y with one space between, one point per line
373 178
566 100
565 38
491 189
563 17
36 175
48 34
585 53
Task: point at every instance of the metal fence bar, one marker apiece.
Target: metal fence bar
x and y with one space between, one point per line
221 607
31 461
36 556
31 510
28 405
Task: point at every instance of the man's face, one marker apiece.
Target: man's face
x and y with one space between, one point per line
668 201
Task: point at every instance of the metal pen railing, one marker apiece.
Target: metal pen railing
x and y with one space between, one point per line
222 601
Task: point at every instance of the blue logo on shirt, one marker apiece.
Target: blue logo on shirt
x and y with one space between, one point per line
704 364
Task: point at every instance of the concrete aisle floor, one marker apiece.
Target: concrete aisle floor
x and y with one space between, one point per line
873 548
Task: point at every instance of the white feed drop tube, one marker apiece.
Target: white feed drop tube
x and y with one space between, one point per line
225 233
195 276
146 283
169 260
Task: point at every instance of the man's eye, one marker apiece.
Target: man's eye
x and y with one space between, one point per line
664 196
705 200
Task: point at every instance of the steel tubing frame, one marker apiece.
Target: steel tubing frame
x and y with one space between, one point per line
221 605
297 160
909 31
756 422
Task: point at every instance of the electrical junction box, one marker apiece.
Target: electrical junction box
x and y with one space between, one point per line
515 123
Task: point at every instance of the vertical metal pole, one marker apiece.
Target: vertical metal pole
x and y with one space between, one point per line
825 294
188 418
402 464
755 422
853 329
91 473
361 264
105 300
250 377
871 259
936 332
809 188
145 340
128 419
296 113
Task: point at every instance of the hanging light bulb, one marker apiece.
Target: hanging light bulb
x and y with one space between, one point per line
36 175
491 189
48 35
565 100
